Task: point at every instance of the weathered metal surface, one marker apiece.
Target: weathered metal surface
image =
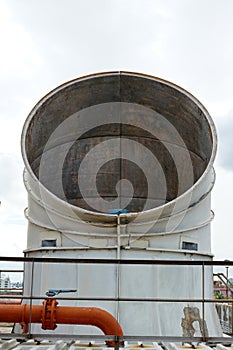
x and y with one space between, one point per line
137 90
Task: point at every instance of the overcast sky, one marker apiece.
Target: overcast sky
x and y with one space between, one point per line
45 43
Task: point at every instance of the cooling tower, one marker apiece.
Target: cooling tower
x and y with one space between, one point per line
120 165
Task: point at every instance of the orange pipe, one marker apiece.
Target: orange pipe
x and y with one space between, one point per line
49 315
20 313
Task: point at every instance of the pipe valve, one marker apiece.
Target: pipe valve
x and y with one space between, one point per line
53 292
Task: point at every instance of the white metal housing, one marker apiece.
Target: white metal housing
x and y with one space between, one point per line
167 227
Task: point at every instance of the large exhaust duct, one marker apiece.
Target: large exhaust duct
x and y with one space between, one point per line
135 146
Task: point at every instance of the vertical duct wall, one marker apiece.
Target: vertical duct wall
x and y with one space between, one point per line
122 140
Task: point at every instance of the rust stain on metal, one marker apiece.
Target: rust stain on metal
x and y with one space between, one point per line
191 315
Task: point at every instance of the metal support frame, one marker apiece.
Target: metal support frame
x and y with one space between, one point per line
119 262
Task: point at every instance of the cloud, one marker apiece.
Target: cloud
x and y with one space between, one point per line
12 192
222 224
184 41
18 53
225 141
13 225
78 37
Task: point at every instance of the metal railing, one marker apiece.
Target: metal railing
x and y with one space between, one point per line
119 262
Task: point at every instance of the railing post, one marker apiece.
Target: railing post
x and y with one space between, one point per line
31 297
117 343
231 317
203 302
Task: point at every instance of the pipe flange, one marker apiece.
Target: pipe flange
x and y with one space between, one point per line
48 317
